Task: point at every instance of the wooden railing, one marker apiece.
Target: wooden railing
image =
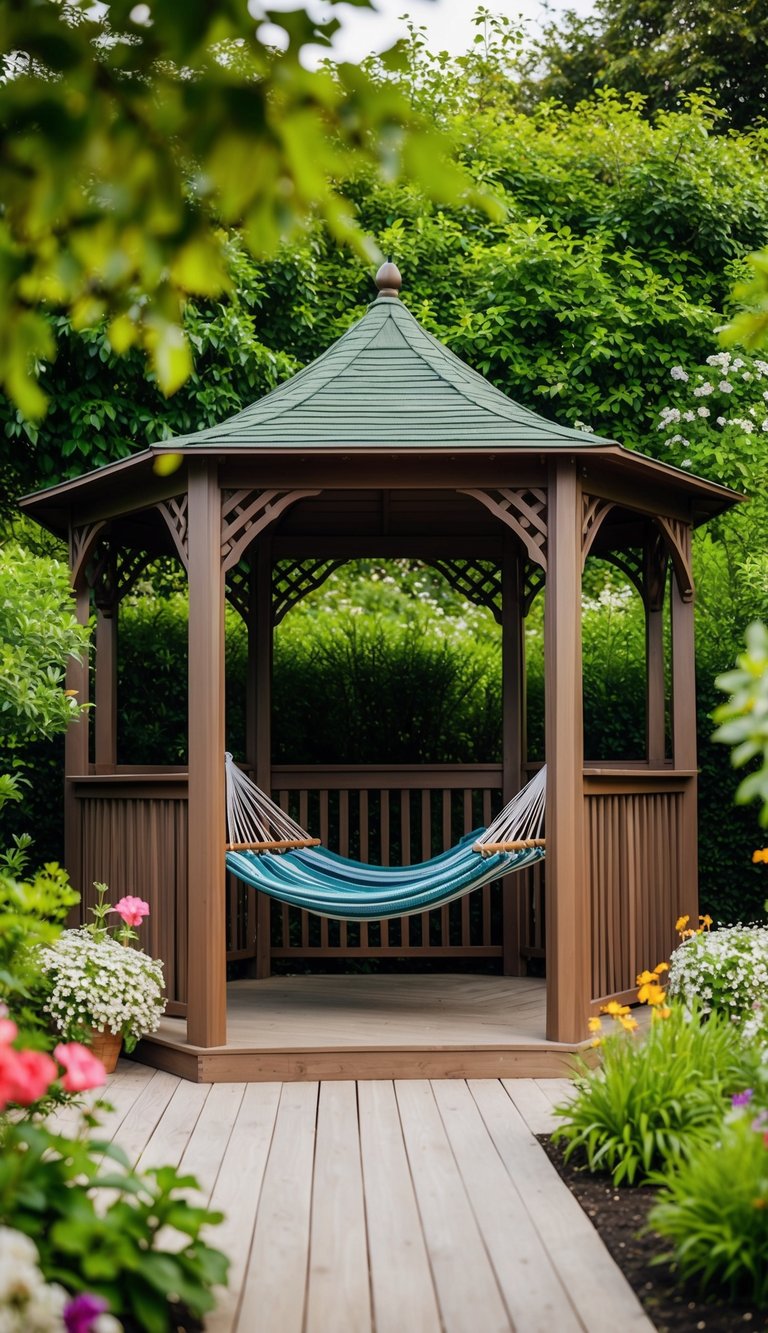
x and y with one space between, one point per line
392 815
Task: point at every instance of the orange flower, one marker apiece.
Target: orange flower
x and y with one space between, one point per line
628 1024
645 978
614 1009
661 967
706 922
681 923
652 994
760 855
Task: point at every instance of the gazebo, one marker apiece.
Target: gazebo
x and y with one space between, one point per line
389 446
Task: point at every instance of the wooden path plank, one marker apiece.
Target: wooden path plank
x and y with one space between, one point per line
166 1145
237 1192
205 1150
275 1284
338 1295
137 1129
533 1104
535 1298
582 1262
401 1281
467 1290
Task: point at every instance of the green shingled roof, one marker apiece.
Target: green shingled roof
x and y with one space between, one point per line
387 383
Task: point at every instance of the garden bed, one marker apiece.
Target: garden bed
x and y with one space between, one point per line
618 1215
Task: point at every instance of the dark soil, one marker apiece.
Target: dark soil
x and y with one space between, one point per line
618 1215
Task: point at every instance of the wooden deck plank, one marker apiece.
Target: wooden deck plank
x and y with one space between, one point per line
338 1295
467 1291
582 1262
237 1192
274 1290
557 1090
122 1093
401 1280
535 1297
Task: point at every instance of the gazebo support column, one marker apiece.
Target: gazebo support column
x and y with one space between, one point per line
684 736
567 891
513 696
105 688
76 747
260 685
207 1003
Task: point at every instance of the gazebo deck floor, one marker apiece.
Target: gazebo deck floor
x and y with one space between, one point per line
302 1028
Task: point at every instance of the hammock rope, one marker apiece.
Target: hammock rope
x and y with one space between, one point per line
272 853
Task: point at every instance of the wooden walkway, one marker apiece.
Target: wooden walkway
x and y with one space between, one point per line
417 1206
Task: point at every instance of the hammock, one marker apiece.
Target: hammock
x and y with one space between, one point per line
272 853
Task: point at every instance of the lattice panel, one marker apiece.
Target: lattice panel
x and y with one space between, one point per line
534 579
292 580
237 588
246 514
477 580
112 572
525 512
175 513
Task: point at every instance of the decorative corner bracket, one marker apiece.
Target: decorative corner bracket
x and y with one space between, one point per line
246 514
524 511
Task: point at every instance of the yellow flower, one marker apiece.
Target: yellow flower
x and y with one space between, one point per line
652 994
614 1009
596 1041
645 978
681 923
595 1024
661 1011
661 967
760 855
628 1024
706 922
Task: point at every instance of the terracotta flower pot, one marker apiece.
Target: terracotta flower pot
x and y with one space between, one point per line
106 1046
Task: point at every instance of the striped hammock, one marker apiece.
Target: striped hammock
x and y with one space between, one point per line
272 853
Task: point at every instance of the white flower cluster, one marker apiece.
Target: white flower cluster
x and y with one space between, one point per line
101 984
28 1304
725 969
732 376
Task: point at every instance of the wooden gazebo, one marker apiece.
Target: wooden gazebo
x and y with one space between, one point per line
387 446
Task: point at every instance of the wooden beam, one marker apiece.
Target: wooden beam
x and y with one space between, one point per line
206 1014
567 891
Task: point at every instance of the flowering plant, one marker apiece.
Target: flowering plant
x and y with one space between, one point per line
724 970
29 1304
98 984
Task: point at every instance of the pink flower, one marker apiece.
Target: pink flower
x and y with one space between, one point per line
25 1076
8 1031
83 1069
132 910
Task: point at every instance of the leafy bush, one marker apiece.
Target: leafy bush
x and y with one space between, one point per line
104 1228
655 1099
713 1208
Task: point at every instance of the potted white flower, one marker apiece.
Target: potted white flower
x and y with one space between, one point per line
105 992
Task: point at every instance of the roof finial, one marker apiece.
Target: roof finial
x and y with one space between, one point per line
388 279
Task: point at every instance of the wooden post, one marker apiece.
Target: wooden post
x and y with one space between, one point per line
568 924
207 1004
76 751
654 584
105 688
260 682
684 739
513 701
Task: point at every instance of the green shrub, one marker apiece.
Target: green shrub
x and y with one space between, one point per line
713 1209
654 1098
